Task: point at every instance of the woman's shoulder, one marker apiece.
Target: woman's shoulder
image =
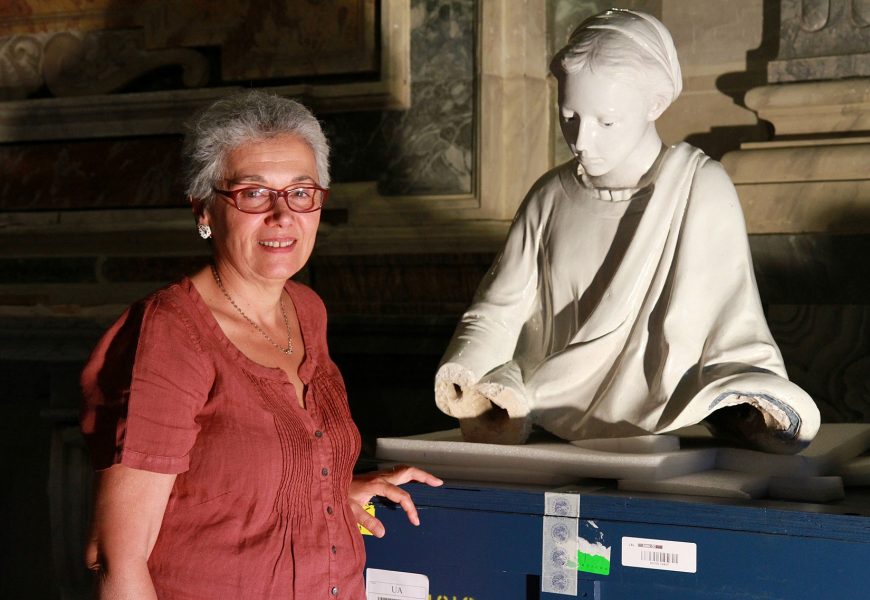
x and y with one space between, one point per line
172 312
163 320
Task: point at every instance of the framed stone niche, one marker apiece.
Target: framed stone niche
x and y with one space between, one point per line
73 71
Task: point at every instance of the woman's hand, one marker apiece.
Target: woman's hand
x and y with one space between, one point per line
386 484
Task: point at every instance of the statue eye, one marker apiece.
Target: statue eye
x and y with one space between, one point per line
607 123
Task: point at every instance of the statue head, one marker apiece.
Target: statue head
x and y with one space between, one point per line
617 75
632 47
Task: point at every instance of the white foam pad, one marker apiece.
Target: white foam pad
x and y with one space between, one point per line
856 471
723 484
493 474
835 444
640 444
556 457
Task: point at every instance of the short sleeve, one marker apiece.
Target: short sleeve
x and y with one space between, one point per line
143 387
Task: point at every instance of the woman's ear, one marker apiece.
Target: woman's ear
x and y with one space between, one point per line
197 206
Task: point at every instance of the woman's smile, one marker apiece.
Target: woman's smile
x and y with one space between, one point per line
278 244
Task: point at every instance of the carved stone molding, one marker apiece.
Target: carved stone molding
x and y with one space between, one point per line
86 63
814 107
20 60
822 39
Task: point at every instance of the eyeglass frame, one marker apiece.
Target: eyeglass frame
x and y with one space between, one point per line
274 196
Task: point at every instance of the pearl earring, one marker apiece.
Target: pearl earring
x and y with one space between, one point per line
204 231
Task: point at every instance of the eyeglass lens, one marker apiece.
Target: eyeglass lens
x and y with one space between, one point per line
257 200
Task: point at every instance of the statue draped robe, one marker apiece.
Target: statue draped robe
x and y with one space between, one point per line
617 318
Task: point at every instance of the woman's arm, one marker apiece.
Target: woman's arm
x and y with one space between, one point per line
128 510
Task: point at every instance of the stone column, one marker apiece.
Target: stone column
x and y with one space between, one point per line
806 196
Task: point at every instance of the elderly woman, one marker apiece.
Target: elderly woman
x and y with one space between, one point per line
217 421
624 301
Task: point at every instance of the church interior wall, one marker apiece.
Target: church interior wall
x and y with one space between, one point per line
425 184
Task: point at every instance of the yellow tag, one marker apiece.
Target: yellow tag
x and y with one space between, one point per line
369 508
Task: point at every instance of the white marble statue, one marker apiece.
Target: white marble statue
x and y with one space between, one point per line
624 301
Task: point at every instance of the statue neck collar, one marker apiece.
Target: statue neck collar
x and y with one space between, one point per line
620 194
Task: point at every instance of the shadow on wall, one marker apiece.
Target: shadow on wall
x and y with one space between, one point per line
818 292
719 140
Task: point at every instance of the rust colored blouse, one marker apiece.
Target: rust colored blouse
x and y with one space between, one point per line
259 507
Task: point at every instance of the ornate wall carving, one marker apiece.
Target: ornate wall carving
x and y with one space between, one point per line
822 39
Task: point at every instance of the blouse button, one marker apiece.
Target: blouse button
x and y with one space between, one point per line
324 471
318 434
334 590
329 510
333 549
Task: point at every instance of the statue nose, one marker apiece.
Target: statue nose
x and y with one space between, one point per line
584 137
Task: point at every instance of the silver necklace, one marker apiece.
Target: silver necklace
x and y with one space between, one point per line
289 349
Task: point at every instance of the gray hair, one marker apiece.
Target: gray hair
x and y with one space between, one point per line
634 47
235 120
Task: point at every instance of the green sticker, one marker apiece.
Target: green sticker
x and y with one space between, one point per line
592 563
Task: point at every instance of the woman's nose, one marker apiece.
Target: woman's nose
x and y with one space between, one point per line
281 213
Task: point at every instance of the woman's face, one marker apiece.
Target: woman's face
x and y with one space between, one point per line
275 244
603 120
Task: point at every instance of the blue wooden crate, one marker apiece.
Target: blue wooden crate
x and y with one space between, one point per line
484 542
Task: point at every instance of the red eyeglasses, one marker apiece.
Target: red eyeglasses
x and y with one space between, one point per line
303 198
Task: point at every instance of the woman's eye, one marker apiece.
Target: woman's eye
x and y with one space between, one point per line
255 193
607 123
300 193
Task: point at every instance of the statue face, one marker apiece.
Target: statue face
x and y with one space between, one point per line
603 121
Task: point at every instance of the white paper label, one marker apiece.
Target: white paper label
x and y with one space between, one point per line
395 585
664 555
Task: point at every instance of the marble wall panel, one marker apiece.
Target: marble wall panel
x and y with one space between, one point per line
812 268
826 349
91 174
822 39
428 149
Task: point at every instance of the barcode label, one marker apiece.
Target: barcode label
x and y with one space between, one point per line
665 555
